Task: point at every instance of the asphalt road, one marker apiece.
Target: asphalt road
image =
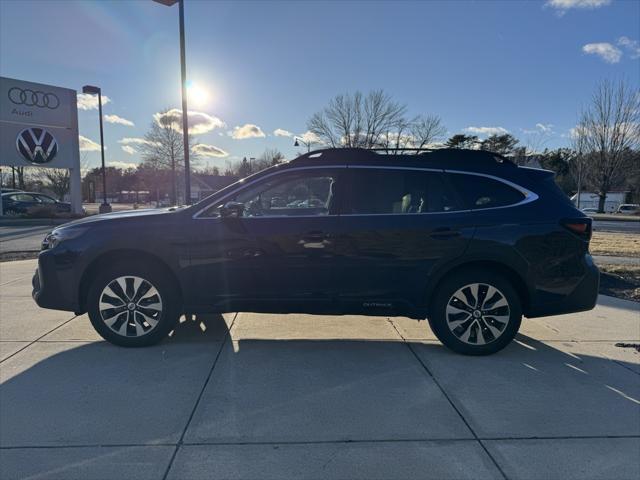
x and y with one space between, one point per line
248 396
22 239
618 227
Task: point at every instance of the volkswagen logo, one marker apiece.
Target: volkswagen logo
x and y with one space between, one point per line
33 98
37 145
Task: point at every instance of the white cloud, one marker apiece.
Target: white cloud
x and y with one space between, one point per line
563 5
632 46
208 150
122 165
134 141
118 120
87 101
129 149
199 122
544 127
248 130
309 137
129 144
609 53
487 130
280 132
88 145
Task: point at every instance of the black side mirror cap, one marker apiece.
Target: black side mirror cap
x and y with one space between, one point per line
232 210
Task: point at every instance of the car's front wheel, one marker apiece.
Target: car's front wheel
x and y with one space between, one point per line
475 312
132 305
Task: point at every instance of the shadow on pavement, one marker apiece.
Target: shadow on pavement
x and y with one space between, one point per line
112 400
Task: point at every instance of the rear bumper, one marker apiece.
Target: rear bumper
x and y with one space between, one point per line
52 284
582 298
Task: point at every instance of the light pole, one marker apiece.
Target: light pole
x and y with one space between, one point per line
298 140
185 122
91 90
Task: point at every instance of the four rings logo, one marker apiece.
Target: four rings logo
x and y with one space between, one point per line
37 145
33 98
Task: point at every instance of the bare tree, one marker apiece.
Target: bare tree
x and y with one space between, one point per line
271 156
608 130
578 163
58 180
357 120
427 130
163 148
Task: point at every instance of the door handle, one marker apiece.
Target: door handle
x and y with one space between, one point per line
444 233
315 236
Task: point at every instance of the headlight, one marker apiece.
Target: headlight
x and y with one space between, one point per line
58 236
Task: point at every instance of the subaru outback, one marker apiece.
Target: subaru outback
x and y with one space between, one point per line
466 239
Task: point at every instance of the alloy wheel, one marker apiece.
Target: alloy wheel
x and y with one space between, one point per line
478 314
130 306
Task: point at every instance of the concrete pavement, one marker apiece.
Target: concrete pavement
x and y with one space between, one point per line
298 396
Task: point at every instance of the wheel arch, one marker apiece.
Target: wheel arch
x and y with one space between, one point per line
497 266
123 255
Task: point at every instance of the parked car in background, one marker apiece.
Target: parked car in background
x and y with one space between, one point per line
589 211
9 190
464 238
629 209
20 203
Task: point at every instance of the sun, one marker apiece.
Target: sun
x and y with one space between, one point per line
197 95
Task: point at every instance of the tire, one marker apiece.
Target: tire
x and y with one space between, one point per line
133 304
475 331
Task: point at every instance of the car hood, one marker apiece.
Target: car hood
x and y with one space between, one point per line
115 216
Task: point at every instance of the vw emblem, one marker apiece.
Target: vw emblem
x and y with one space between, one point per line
36 145
33 98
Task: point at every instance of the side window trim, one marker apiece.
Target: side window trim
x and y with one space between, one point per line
199 215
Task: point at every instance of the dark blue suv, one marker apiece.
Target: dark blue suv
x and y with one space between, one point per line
464 238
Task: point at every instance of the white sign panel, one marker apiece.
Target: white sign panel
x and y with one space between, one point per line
38 125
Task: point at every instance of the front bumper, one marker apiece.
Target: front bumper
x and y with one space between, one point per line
53 284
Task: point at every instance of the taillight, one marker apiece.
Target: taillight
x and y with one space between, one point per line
579 226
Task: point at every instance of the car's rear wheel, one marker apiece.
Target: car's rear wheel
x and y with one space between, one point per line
475 312
132 305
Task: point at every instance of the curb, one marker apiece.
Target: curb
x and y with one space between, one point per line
33 222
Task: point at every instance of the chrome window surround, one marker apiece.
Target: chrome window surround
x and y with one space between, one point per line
529 196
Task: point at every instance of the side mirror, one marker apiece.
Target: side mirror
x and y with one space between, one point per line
232 210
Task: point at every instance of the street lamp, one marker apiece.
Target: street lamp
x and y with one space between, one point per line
298 140
91 90
185 123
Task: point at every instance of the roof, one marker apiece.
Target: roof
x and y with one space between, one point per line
440 158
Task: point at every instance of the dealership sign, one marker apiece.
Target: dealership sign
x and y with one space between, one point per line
38 125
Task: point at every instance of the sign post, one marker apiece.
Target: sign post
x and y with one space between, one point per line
39 128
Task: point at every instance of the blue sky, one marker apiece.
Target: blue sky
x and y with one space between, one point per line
521 66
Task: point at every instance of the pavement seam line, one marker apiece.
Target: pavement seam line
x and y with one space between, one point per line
200 395
455 408
37 339
13 281
323 442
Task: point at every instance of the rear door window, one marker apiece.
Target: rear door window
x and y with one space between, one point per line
397 191
482 192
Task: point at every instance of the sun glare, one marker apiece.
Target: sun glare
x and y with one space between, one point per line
197 95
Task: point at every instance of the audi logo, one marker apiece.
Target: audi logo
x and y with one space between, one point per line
36 145
33 98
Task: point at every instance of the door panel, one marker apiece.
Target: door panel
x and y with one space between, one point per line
398 225
279 252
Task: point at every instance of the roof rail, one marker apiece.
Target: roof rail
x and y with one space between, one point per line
402 149
435 154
